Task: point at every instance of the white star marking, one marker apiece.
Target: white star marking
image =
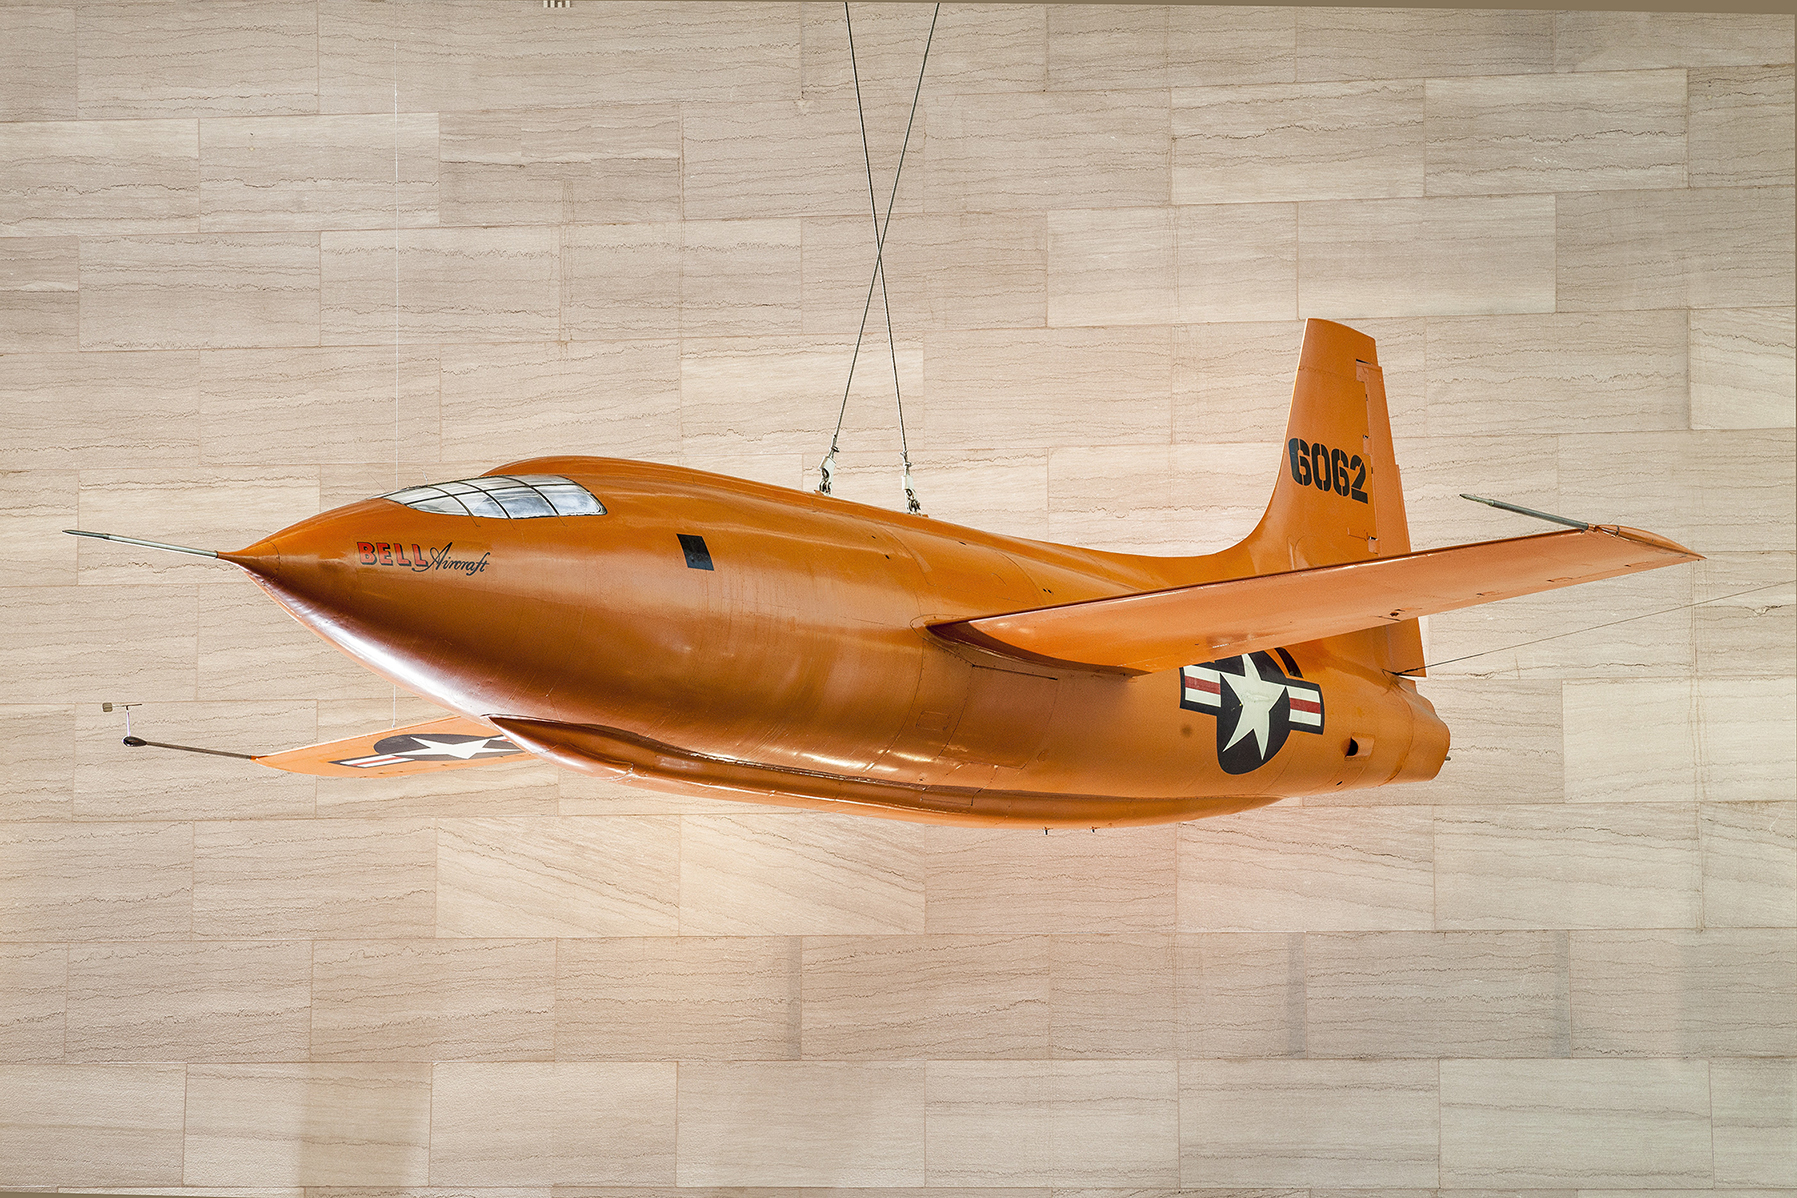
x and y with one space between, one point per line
466 749
1257 697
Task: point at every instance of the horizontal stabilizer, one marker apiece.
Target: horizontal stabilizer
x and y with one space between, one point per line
1157 630
450 743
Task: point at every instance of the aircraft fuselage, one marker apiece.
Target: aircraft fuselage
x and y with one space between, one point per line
709 632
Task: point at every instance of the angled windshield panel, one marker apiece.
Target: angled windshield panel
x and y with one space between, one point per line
503 496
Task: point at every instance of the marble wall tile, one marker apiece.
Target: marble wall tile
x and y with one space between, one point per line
994 490
1308 141
976 48
318 172
1520 467
201 291
557 166
1701 247
148 653
1753 1122
763 397
1109 48
1749 864
1237 262
1436 994
1113 995
1112 267
1552 635
677 998
1748 747
739 278
1573 373
613 398
466 56
941 272
308 1124
1161 499
613 876
33 987
1743 367
115 782
1630 739
33 503
1109 387
1723 490
38 745
979 48
1215 45
783 160
994 880
1072 1123
1378 43
1445 256
1572 866
1598 1124
95 881
331 404
39 300
1272 1123
1634 41
453 284
530 1123
310 878
792 874
252 651
90 1125
621 280
1079 150
424 1000
1507 747
1241 994
197 59
1715 993
217 1001
940 997
802 1123
99 177
1264 870
37 62
1517 133
1233 382
220 506
1749 613
67 411
1740 127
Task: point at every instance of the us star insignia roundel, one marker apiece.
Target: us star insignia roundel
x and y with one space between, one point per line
397 750
1256 704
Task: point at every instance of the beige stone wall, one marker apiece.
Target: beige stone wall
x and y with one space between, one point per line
1567 965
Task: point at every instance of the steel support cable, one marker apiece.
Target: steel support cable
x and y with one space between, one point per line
827 469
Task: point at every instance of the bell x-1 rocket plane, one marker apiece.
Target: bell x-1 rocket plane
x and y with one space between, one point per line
684 631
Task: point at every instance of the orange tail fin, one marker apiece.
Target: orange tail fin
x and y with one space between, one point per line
1338 497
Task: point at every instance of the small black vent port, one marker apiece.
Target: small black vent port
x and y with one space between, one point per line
698 557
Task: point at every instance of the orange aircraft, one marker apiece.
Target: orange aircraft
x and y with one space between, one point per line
684 631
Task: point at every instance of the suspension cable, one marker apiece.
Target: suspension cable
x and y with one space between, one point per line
879 272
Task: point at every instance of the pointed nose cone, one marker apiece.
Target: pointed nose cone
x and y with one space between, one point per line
263 559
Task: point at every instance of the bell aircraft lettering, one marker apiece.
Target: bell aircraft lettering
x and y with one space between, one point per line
688 632
393 553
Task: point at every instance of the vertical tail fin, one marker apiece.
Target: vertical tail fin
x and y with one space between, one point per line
1338 497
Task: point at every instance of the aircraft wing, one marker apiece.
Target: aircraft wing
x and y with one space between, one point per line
1157 630
450 743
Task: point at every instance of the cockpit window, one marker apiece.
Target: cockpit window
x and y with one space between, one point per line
507 496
